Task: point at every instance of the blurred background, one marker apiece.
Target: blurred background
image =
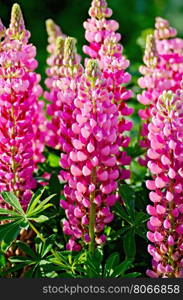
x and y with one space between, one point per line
134 16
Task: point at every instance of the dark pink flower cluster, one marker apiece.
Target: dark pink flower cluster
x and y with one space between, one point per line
166 211
55 72
21 119
104 46
163 70
90 160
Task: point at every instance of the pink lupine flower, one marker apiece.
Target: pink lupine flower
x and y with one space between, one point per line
90 160
53 31
163 70
2 29
17 49
55 72
104 46
16 130
165 224
20 136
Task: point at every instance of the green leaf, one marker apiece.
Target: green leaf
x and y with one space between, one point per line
35 199
67 275
40 207
119 210
111 263
53 160
61 265
29 273
119 232
93 263
132 275
4 218
10 234
40 219
55 187
4 211
129 244
141 217
47 246
135 151
2 260
138 172
11 199
122 268
127 194
21 259
26 249
17 267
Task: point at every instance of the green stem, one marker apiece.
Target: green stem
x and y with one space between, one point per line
37 232
92 216
92 224
43 239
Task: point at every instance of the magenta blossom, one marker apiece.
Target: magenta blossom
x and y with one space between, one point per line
105 47
89 133
163 70
55 72
21 141
166 211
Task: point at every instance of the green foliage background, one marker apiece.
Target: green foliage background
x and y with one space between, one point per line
134 16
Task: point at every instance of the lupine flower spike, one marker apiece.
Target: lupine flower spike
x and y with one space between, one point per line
54 72
2 30
18 35
90 161
104 46
166 157
163 70
17 95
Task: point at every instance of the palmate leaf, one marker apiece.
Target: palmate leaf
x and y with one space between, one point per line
40 219
22 259
35 210
122 268
12 200
55 188
129 244
19 218
4 211
132 275
35 200
111 263
8 218
47 246
2 260
9 232
94 263
26 249
15 268
127 194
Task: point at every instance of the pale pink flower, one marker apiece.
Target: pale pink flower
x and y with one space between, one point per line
163 70
165 163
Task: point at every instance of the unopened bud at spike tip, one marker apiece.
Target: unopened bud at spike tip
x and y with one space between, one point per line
150 57
2 29
51 28
92 68
163 29
17 21
59 45
99 9
70 48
